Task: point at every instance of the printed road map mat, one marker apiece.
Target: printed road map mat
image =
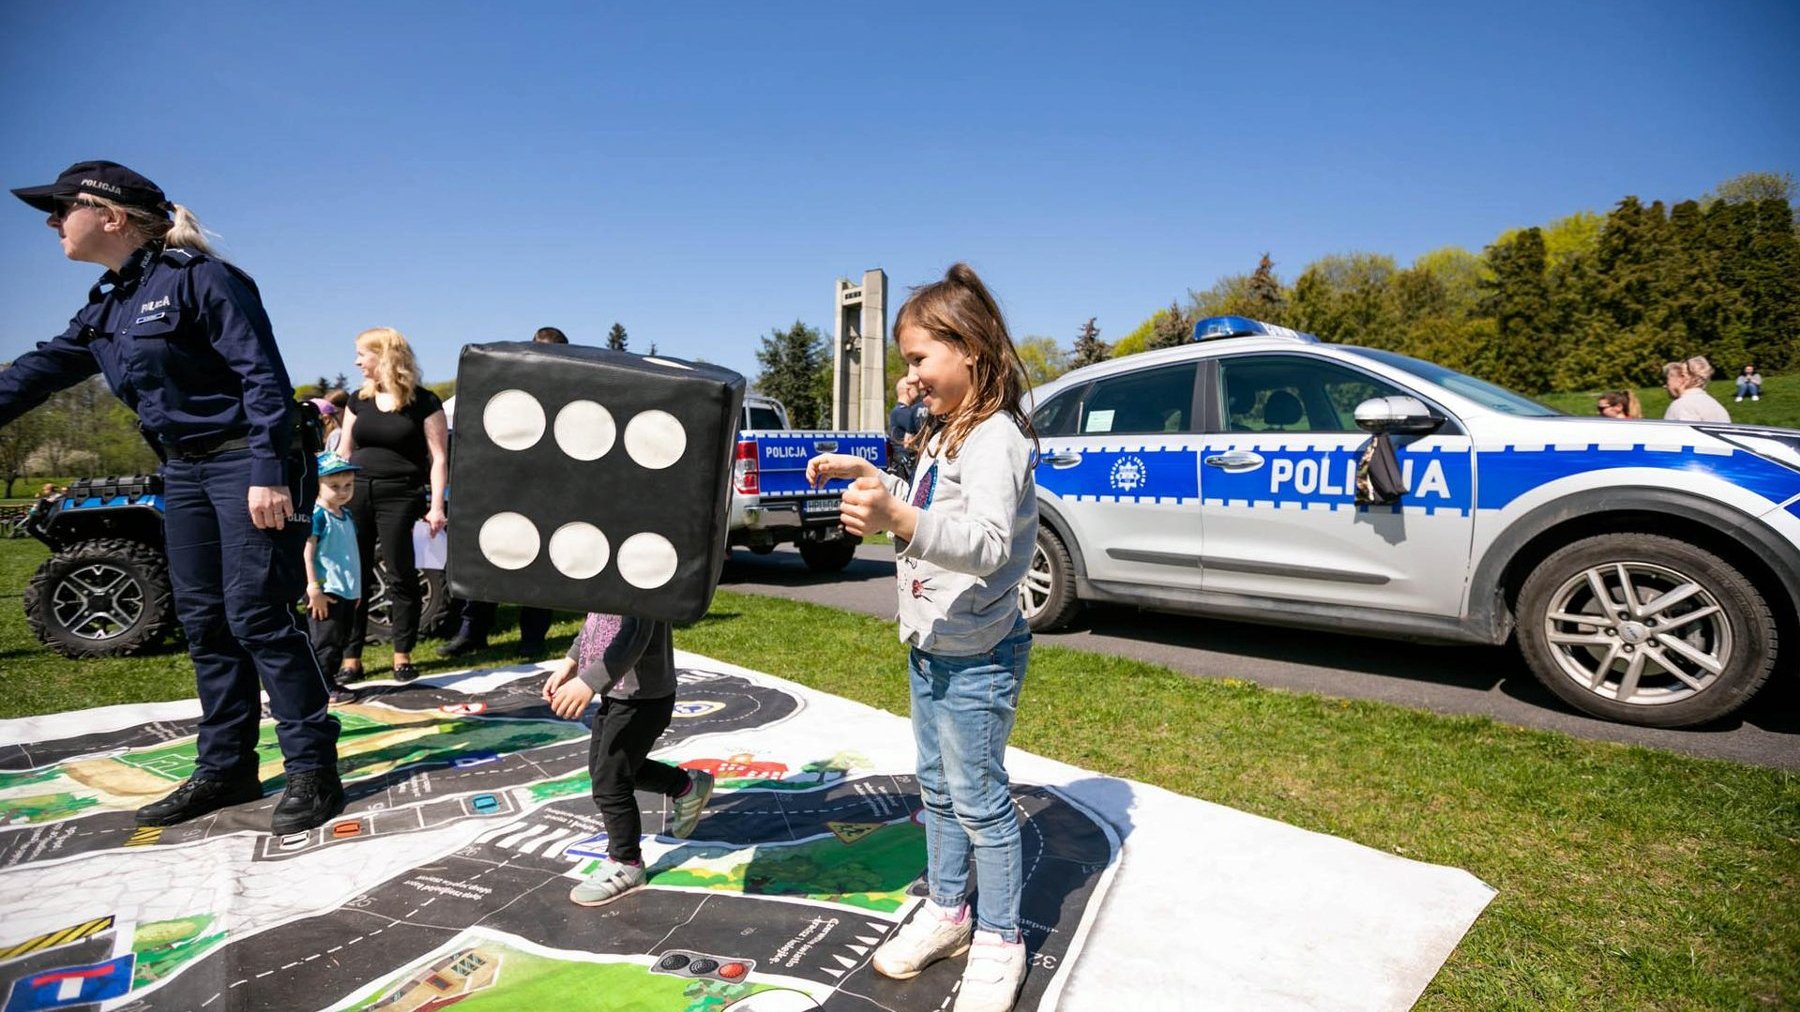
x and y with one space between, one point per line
444 882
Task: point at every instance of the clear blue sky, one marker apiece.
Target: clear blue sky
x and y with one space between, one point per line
467 172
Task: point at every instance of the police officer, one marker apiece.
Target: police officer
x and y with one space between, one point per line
908 417
181 338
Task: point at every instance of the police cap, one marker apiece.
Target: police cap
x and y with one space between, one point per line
108 180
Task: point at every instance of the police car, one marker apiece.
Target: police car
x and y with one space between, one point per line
1648 570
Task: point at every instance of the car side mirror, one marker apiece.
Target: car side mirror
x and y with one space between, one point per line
1396 415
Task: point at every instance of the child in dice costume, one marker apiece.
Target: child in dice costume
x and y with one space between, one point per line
598 481
630 663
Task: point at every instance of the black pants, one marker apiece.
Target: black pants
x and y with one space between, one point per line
385 510
329 634
478 621
619 765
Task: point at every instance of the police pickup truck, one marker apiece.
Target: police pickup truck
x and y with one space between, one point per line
771 503
1649 571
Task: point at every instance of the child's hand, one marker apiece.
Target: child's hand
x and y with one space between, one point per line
564 670
826 466
868 507
570 698
316 604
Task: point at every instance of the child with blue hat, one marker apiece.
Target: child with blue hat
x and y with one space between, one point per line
333 572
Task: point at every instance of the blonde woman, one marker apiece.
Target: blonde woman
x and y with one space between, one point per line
182 337
396 432
1689 401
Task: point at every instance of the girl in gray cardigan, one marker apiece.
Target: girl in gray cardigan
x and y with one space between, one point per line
963 527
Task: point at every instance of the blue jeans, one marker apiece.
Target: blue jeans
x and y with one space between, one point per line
235 589
1746 388
962 714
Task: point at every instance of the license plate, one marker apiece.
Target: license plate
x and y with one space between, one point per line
821 505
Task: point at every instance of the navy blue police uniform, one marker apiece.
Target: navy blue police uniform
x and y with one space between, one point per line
183 340
181 337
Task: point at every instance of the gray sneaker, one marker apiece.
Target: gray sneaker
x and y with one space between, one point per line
922 941
607 883
687 808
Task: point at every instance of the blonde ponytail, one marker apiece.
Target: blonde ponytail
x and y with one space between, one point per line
187 232
183 230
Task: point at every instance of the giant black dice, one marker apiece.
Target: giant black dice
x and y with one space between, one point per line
583 479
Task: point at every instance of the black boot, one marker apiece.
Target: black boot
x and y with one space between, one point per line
461 643
312 797
201 793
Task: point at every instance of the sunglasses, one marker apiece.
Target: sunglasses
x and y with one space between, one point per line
65 208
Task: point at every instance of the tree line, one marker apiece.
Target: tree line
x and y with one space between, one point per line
1584 302
83 430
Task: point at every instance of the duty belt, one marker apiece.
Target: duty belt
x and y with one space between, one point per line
200 449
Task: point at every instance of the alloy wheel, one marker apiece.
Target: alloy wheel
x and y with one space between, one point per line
1638 633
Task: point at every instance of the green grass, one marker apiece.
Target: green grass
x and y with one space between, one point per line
1780 404
1627 877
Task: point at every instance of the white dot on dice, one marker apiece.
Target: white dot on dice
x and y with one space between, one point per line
513 419
647 561
578 551
585 430
655 439
509 540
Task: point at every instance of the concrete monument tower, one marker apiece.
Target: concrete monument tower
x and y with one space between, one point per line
859 385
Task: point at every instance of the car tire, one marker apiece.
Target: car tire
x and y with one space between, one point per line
1697 635
1047 593
435 612
104 598
829 556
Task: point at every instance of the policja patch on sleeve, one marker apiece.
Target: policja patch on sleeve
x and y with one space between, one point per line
584 479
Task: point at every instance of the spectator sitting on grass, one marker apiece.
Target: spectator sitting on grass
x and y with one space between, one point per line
1749 382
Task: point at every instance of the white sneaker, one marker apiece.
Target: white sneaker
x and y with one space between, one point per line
1740 400
990 983
607 882
922 941
1756 397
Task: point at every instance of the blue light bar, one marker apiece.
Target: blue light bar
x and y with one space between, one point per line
1215 327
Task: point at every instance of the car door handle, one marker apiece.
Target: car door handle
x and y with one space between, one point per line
1060 460
1236 460
825 446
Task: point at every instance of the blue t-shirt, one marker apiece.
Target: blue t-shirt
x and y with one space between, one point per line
336 560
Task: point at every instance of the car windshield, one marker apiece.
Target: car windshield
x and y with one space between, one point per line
1480 391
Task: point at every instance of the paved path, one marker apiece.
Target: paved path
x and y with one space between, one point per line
1489 681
